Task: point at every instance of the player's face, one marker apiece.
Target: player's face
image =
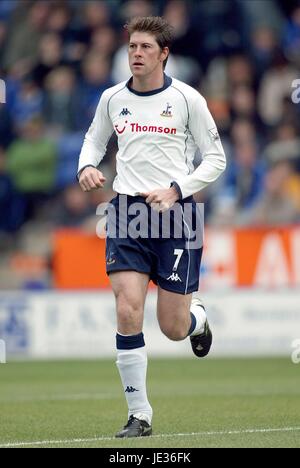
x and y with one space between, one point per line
145 55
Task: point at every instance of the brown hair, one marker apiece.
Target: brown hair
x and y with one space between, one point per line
155 25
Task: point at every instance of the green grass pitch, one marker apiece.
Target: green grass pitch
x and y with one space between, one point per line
197 403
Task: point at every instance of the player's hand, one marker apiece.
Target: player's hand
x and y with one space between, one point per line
91 179
161 199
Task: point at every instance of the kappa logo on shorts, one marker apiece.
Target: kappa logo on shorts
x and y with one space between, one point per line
174 277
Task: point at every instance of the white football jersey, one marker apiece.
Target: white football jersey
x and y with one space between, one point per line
158 134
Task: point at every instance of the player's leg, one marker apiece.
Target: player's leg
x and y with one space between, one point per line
179 259
173 314
180 316
130 289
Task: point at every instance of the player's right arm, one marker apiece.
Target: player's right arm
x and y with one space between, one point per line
94 148
91 178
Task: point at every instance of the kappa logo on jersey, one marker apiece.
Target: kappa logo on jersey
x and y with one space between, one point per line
125 112
167 112
136 128
174 277
214 134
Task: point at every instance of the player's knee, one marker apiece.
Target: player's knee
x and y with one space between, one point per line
129 312
174 333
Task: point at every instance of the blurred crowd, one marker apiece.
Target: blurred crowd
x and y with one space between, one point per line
58 56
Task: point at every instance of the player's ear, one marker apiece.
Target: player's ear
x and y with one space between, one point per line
164 53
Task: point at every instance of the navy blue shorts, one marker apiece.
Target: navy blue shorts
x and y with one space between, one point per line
166 246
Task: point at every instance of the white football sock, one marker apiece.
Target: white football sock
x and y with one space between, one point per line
198 312
132 365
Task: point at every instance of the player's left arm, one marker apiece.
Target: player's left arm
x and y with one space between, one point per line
205 133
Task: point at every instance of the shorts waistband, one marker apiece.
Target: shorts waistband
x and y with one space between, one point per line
140 199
